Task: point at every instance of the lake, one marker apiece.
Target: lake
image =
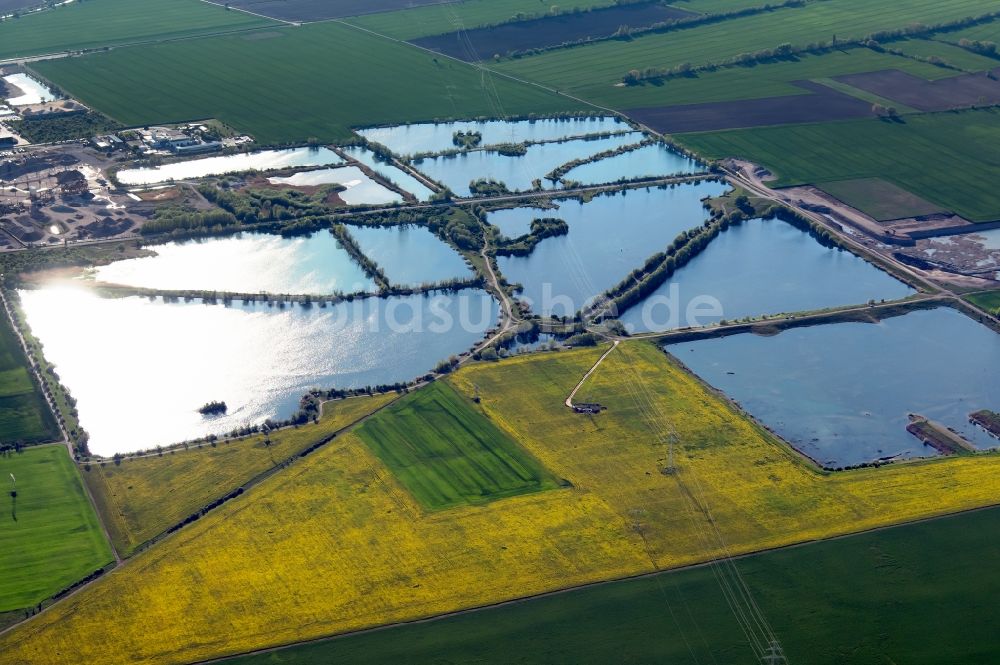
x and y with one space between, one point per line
360 189
244 263
516 222
139 369
645 162
841 393
457 171
32 90
390 172
410 255
265 160
405 140
762 267
608 238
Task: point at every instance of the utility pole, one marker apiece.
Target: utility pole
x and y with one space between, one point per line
670 469
774 655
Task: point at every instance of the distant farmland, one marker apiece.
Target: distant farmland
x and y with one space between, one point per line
98 23
24 414
948 159
342 78
605 63
437 19
49 533
317 10
484 43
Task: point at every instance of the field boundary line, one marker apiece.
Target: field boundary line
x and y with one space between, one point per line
230 8
569 400
589 585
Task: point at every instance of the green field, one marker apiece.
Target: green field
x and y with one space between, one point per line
142 497
910 594
289 84
447 453
990 301
766 80
97 23
953 55
986 32
879 199
49 533
583 68
951 159
24 415
438 19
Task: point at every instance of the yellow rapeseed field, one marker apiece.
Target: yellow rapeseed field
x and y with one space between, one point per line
335 544
143 497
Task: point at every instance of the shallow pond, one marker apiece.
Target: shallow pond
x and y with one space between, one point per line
517 173
149 366
608 238
360 189
645 162
761 267
390 172
410 255
841 392
265 160
32 90
406 140
244 263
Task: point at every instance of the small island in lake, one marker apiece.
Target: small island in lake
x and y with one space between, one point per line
213 408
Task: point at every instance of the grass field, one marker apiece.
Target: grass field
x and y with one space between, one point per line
880 199
767 80
334 543
950 159
49 533
990 301
24 415
875 590
142 498
446 453
97 23
605 63
986 32
438 19
953 55
341 78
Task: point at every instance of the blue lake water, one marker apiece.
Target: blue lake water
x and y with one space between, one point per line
841 393
410 255
648 161
457 171
515 222
245 263
265 160
259 360
391 173
406 140
761 267
608 238
360 189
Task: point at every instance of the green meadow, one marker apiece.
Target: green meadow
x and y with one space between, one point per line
447 453
99 23
290 84
49 533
